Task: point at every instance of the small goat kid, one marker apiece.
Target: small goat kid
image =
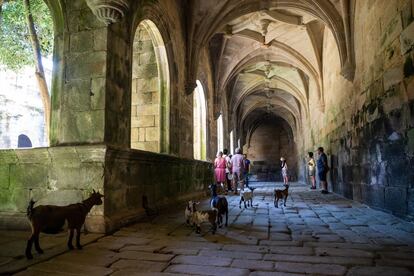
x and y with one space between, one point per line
196 218
246 196
281 194
50 219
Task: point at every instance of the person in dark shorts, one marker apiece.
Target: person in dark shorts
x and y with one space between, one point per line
246 169
322 165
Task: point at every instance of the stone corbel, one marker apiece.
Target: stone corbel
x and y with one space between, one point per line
109 11
348 68
190 86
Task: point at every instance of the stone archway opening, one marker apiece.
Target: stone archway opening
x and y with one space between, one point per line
269 138
150 90
200 122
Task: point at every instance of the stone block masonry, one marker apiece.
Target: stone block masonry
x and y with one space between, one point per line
65 175
58 176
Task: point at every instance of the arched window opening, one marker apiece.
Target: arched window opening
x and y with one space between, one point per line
231 142
150 90
220 133
200 122
25 77
23 141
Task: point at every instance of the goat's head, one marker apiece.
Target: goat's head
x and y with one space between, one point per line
191 206
96 197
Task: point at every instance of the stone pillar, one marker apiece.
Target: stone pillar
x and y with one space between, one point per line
78 94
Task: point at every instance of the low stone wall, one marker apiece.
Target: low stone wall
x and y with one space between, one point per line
164 180
65 175
56 175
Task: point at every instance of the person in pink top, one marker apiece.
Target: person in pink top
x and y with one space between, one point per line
220 169
237 166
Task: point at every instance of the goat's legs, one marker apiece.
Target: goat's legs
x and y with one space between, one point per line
284 203
277 203
78 233
214 228
29 247
227 217
70 246
219 220
37 245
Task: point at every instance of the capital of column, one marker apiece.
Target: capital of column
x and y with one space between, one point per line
109 11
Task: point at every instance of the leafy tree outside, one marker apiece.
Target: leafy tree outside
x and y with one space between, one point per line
26 34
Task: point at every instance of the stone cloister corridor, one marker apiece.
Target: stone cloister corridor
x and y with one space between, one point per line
314 234
145 93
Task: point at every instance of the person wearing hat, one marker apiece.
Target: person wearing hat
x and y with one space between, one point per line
284 168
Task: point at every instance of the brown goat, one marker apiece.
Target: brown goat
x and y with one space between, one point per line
50 219
281 194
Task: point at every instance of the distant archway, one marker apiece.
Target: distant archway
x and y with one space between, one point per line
23 141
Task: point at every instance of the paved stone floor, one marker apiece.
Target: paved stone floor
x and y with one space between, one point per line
315 234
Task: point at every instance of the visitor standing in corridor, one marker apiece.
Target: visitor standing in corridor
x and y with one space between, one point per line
311 170
246 169
284 168
322 165
237 167
220 170
228 172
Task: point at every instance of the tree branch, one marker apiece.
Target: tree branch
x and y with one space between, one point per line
40 73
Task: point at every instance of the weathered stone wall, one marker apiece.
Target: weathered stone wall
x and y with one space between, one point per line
59 176
368 124
163 179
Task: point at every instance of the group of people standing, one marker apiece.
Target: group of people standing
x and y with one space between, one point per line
230 170
322 165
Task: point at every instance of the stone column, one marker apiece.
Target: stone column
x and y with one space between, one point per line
78 101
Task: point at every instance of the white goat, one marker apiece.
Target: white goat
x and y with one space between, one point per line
246 196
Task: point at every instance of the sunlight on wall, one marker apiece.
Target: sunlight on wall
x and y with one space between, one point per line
220 140
231 142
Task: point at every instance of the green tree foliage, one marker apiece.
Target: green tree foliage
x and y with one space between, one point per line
15 47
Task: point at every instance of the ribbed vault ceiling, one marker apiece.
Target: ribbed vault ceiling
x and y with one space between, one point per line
267 56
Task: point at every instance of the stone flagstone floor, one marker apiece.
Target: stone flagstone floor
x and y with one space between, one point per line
315 234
